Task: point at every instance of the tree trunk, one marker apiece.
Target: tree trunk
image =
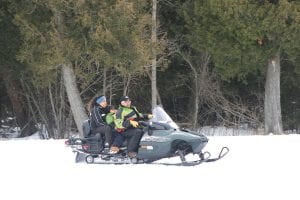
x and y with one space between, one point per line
273 120
196 103
73 94
104 81
154 62
62 107
110 88
126 82
74 97
56 119
196 88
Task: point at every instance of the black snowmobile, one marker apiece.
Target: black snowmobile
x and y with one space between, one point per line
162 139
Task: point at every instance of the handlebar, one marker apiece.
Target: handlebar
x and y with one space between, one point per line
147 126
143 123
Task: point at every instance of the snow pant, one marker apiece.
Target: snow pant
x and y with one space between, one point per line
105 131
134 137
118 138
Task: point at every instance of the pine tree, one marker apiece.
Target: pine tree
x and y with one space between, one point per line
67 35
243 38
49 44
10 69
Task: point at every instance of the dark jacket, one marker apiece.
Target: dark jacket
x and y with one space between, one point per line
98 115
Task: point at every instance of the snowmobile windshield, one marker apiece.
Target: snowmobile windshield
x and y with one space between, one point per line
160 115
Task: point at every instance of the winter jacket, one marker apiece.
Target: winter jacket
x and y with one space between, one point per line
124 115
98 116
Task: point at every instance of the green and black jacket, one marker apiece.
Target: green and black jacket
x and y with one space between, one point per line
124 115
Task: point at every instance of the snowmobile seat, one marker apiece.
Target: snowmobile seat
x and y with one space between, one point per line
96 137
86 127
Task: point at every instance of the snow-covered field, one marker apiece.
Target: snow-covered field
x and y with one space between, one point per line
257 167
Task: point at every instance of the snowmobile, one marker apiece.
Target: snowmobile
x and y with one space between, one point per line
162 139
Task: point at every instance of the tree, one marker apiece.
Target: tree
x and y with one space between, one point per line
10 69
49 44
84 36
117 37
243 38
154 63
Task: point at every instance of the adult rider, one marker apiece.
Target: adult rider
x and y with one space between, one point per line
126 123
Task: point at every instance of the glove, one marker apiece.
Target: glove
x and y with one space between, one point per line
134 123
120 130
150 116
113 111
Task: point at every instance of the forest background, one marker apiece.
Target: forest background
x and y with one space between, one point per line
233 63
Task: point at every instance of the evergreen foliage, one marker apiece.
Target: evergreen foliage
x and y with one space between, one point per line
108 45
242 35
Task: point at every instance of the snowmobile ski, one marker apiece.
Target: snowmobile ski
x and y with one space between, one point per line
204 157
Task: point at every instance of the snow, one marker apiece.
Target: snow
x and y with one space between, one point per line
257 167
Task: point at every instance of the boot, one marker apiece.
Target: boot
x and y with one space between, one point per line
106 148
132 154
114 150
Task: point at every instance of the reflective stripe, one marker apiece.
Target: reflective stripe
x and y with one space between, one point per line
98 116
129 115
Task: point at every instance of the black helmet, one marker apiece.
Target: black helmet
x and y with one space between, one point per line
124 98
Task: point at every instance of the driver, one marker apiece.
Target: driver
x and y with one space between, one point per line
126 123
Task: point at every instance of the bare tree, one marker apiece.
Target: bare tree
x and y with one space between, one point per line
206 91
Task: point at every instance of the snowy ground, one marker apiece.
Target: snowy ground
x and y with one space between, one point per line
257 167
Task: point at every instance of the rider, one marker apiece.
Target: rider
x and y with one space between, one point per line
126 123
98 114
118 138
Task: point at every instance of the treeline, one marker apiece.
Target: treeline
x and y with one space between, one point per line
207 62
